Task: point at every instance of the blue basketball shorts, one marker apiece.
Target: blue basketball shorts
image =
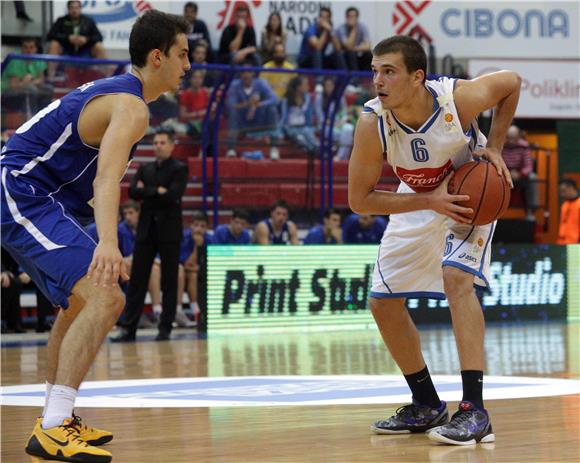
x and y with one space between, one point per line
49 244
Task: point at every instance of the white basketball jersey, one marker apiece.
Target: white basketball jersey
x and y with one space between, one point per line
423 158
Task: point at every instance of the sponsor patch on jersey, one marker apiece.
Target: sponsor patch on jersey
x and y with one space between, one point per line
448 117
425 178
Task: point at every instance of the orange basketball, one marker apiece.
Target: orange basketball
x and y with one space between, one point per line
489 194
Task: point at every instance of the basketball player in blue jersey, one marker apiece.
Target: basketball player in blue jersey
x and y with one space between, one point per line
277 229
426 129
59 166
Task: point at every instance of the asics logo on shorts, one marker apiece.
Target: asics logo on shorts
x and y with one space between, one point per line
466 256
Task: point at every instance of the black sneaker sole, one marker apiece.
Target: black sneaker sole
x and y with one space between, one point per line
440 421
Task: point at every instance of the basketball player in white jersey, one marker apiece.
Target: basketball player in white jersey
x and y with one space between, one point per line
426 129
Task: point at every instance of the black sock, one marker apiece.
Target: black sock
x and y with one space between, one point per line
422 388
473 387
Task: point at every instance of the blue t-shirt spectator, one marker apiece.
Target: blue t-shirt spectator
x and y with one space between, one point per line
238 93
316 236
125 235
223 235
353 232
188 244
306 49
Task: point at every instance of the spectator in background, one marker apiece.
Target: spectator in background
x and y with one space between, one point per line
518 159
159 185
10 295
23 85
252 107
193 104
277 229
194 244
238 41
278 81
328 233
199 57
198 32
343 129
273 34
355 40
236 232
363 229
74 34
314 49
297 118
569 230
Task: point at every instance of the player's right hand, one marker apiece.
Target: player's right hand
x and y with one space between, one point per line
107 266
445 203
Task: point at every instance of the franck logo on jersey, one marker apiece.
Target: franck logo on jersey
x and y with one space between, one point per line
426 178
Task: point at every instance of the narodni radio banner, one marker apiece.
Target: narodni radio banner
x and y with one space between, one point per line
280 288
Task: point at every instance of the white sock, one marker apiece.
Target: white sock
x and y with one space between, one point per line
179 308
48 390
157 309
60 406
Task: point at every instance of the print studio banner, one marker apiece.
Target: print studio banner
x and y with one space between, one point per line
464 29
285 288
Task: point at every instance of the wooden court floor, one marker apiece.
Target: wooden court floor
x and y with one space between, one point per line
541 429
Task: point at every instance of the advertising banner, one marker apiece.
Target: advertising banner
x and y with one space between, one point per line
465 29
550 89
281 288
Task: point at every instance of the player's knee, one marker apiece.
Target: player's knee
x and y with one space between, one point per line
457 283
113 301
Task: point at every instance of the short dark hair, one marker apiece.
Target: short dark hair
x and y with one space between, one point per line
70 2
569 182
166 131
242 7
154 30
325 8
28 38
191 5
330 211
241 214
280 203
413 53
130 204
199 216
350 9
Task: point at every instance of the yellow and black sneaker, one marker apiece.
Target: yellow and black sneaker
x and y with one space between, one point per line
90 435
64 443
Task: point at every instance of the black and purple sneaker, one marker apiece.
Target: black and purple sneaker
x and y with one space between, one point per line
412 418
468 426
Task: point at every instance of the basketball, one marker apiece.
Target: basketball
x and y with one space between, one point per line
489 194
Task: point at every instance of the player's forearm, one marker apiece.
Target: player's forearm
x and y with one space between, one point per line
107 196
503 116
379 202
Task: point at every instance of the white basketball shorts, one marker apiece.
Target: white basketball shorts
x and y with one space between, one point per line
416 246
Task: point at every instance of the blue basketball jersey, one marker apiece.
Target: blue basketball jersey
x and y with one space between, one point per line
282 238
48 154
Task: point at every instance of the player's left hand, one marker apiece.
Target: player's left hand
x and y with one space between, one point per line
494 156
107 266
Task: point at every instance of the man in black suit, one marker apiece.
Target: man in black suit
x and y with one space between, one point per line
159 185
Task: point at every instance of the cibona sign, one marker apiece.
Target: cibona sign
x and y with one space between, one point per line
506 29
508 23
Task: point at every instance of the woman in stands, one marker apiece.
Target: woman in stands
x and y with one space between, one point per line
298 115
272 35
